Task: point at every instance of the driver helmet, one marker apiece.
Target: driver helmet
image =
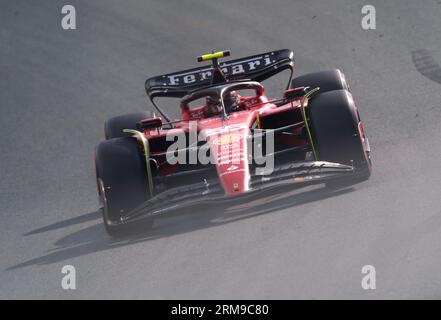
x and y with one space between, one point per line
231 101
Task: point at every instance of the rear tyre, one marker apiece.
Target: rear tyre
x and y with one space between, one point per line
113 128
122 183
328 80
337 133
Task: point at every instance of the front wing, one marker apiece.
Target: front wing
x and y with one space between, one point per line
297 174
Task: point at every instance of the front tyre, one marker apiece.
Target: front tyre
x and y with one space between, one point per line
338 132
113 127
328 80
122 182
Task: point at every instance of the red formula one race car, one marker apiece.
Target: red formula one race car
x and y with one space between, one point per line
230 141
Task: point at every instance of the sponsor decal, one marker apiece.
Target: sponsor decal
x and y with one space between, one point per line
227 139
227 148
235 68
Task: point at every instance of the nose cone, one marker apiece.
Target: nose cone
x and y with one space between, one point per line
235 183
230 155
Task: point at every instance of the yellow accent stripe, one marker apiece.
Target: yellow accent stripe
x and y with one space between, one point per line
258 121
302 107
145 143
210 56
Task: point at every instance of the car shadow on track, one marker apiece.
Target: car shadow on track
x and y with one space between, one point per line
65 223
93 238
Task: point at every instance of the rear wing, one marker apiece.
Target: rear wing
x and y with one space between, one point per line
258 68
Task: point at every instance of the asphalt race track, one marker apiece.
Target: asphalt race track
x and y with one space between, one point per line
58 86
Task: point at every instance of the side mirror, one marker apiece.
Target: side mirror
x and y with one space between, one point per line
148 124
293 94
